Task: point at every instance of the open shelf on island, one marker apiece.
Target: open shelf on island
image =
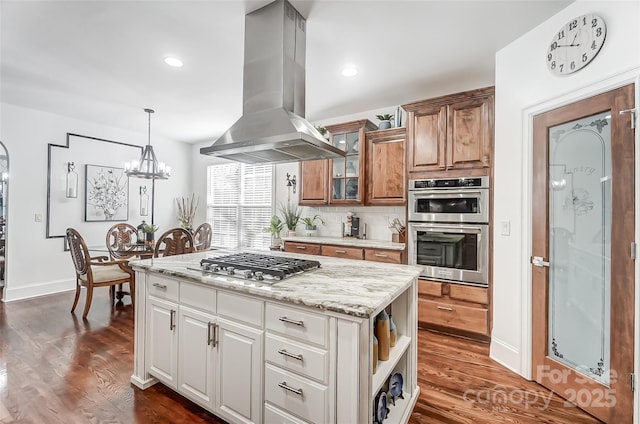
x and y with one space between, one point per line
385 367
399 410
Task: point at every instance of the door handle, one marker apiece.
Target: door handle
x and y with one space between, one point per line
539 261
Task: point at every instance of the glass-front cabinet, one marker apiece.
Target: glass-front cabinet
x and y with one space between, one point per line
347 174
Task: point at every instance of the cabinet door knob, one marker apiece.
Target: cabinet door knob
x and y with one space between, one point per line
172 320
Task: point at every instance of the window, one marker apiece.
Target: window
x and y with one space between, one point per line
239 204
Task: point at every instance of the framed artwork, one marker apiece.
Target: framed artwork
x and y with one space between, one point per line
106 194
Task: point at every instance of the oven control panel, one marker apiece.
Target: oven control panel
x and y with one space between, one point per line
475 182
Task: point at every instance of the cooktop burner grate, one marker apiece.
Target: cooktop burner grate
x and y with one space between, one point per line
252 265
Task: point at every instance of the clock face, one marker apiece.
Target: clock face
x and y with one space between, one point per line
576 44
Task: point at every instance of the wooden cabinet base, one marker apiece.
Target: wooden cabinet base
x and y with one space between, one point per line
454 309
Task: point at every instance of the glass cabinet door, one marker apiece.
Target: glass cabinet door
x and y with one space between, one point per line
346 172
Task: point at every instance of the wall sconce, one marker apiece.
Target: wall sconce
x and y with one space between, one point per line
291 182
72 181
144 201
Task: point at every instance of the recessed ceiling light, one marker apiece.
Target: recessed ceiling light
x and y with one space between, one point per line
349 71
173 61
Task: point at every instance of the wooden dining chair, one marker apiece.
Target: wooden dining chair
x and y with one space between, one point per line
97 271
175 241
202 237
121 241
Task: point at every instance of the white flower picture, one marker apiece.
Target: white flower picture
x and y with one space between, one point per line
107 194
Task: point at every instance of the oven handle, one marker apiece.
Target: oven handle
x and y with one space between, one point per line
445 194
438 227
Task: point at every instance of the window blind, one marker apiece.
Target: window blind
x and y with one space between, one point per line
239 204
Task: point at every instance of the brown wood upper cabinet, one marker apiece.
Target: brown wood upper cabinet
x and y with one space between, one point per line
451 132
338 181
386 172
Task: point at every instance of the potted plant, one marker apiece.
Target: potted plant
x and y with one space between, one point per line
275 227
323 131
149 230
385 121
291 215
310 224
187 211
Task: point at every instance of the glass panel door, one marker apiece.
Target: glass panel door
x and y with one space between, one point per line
580 245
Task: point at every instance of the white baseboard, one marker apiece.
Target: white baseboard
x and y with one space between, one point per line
505 354
35 290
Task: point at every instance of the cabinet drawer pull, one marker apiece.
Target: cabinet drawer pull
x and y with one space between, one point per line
445 308
215 335
291 321
341 251
160 286
301 247
290 355
291 389
381 255
172 320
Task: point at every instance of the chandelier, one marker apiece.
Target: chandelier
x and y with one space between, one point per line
148 166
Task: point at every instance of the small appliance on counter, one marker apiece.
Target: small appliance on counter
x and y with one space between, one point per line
354 227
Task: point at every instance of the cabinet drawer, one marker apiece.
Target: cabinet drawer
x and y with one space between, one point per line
310 402
453 316
470 294
380 255
240 308
273 415
162 287
302 359
429 288
296 323
343 252
198 296
309 249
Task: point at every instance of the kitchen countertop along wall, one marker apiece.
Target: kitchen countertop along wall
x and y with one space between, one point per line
347 241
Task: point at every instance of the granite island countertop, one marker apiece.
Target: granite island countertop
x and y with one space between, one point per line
346 241
353 287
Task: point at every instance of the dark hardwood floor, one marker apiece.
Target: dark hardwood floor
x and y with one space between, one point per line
57 368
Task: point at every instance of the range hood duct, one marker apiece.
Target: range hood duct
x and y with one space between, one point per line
272 128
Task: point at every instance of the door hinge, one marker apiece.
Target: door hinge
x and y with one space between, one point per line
632 382
634 250
539 261
633 116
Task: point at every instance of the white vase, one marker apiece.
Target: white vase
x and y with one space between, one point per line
291 233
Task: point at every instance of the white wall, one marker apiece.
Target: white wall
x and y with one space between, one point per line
37 265
525 87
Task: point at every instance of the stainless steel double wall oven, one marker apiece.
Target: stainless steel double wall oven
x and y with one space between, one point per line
449 229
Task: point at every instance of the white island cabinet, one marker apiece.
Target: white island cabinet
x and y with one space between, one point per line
297 351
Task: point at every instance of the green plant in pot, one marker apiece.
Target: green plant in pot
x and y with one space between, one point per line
322 130
275 228
311 223
385 121
149 230
291 214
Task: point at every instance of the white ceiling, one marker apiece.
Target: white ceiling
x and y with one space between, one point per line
101 60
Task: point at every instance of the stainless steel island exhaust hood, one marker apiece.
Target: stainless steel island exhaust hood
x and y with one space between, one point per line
272 127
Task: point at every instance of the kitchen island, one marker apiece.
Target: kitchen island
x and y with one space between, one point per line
291 351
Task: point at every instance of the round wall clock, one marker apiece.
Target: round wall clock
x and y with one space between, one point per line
576 44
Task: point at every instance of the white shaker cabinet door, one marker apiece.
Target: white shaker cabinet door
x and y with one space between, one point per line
239 394
162 340
196 356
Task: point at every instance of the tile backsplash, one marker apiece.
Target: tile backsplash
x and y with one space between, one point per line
377 219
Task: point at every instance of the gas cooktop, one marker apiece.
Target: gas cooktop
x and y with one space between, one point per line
257 267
